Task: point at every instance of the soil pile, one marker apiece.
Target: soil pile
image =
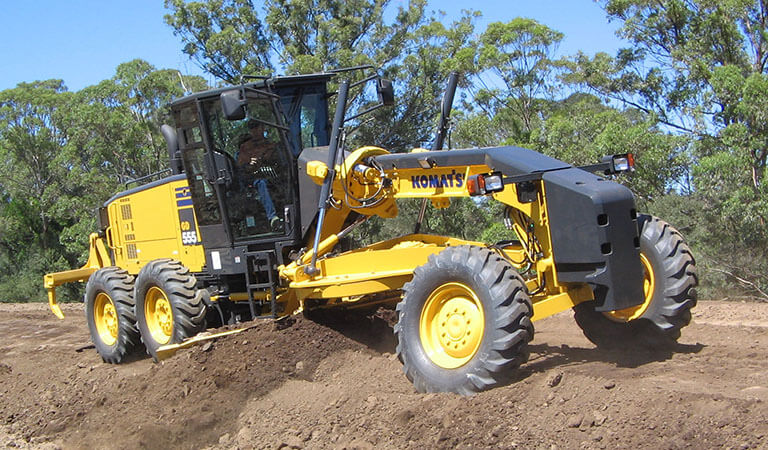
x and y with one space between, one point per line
338 384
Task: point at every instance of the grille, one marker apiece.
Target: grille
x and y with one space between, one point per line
126 211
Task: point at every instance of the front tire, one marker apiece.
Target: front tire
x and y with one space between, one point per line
169 307
464 322
109 311
670 293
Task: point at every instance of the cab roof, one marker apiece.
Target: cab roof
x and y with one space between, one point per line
275 82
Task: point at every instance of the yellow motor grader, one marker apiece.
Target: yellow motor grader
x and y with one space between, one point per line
261 189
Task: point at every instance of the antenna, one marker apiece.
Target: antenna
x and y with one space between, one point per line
181 78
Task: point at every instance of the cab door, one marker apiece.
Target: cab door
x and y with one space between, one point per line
253 169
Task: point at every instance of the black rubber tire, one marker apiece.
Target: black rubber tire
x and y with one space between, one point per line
674 270
118 285
187 302
507 326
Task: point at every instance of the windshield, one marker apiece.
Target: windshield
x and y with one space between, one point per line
229 136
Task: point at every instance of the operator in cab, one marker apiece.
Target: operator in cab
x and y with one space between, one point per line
257 157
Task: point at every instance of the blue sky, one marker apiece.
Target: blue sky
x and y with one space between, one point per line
83 41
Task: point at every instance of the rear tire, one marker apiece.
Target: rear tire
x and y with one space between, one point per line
670 295
464 322
109 311
169 307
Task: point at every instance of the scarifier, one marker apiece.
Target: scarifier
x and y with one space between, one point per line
260 190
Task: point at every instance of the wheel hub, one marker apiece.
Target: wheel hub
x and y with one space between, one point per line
452 325
159 315
105 318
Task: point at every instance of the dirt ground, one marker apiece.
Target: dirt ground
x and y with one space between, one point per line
314 386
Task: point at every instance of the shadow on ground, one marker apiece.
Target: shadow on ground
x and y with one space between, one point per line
373 330
549 356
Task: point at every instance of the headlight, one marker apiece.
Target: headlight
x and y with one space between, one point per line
485 184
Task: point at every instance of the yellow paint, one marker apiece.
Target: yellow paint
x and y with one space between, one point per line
166 351
159 315
317 170
241 296
516 255
649 285
388 265
341 286
105 318
145 226
451 325
434 183
98 257
537 213
379 267
440 203
548 305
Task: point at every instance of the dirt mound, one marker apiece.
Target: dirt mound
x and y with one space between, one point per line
186 401
339 385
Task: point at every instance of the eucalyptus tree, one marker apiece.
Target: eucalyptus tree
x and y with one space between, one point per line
232 38
699 67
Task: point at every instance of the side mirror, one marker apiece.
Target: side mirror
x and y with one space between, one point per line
386 91
232 105
386 95
172 141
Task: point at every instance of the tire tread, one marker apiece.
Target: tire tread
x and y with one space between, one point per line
669 312
508 335
118 284
187 302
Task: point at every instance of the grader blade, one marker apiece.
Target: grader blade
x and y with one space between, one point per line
166 351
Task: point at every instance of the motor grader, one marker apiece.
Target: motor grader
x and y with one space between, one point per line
225 238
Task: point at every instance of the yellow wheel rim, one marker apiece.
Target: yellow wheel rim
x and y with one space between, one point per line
159 315
451 326
105 318
649 285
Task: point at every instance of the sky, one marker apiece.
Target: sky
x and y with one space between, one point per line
83 41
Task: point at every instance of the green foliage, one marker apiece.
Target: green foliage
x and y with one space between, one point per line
689 98
224 36
465 218
64 153
515 69
699 67
124 113
231 38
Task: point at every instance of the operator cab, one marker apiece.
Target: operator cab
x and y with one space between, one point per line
239 147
